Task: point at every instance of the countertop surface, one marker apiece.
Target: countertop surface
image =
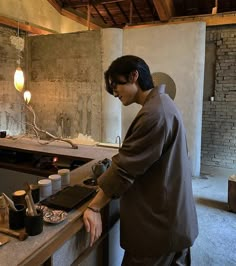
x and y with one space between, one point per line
59 148
53 236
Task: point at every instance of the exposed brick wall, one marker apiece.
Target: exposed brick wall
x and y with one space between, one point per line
219 117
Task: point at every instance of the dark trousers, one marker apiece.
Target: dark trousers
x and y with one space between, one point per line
181 258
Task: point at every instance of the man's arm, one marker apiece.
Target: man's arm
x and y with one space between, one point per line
92 217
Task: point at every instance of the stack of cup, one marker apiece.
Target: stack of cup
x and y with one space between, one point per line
56 182
65 177
45 187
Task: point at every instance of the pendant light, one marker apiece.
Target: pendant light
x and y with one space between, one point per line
19 79
19 75
27 96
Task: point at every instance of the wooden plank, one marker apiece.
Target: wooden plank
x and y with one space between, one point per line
165 9
55 5
210 20
25 26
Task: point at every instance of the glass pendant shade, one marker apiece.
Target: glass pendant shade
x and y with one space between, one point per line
19 79
27 96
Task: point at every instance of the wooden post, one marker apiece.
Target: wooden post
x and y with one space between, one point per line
89 14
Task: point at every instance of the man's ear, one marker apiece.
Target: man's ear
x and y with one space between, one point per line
133 76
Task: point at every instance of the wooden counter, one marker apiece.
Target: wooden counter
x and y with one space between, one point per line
35 250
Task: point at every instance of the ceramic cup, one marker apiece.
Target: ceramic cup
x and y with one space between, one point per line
45 187
17 218
34 224
56 182
3 134
65 177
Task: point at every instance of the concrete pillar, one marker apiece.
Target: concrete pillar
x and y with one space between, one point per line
112 47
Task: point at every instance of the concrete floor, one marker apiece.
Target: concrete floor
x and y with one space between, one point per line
216 243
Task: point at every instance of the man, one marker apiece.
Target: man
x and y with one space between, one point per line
151 174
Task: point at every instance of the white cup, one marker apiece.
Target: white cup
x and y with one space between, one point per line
45 187
65 177
56 182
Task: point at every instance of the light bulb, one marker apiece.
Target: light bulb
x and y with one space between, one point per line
19 79
27 96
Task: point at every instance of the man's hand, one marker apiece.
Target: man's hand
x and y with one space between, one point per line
93 224
92 217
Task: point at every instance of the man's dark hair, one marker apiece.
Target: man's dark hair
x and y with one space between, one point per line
124 66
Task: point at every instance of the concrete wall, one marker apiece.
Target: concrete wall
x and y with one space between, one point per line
179 51
11 102
66 83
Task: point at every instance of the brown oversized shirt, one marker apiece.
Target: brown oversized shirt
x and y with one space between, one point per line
152 176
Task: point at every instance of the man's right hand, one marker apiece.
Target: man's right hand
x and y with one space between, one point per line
93 224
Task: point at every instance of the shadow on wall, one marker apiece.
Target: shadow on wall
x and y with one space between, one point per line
162 78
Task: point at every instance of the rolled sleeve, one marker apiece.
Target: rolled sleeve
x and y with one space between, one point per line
112 183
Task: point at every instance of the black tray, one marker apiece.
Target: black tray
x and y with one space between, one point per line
69 198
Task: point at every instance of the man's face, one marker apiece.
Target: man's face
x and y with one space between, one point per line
126 91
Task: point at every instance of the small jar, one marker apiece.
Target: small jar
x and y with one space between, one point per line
56 182
45 187
65 177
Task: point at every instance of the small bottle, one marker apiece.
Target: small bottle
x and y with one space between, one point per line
3 210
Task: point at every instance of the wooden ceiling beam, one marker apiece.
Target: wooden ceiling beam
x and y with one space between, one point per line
165 9
218 19
123 12
136 10
109 14
25 26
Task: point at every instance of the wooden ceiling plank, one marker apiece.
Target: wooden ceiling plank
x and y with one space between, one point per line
73 16
109 14
111 1
136 10
165 9
130 12
99 14
151 9
123 12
